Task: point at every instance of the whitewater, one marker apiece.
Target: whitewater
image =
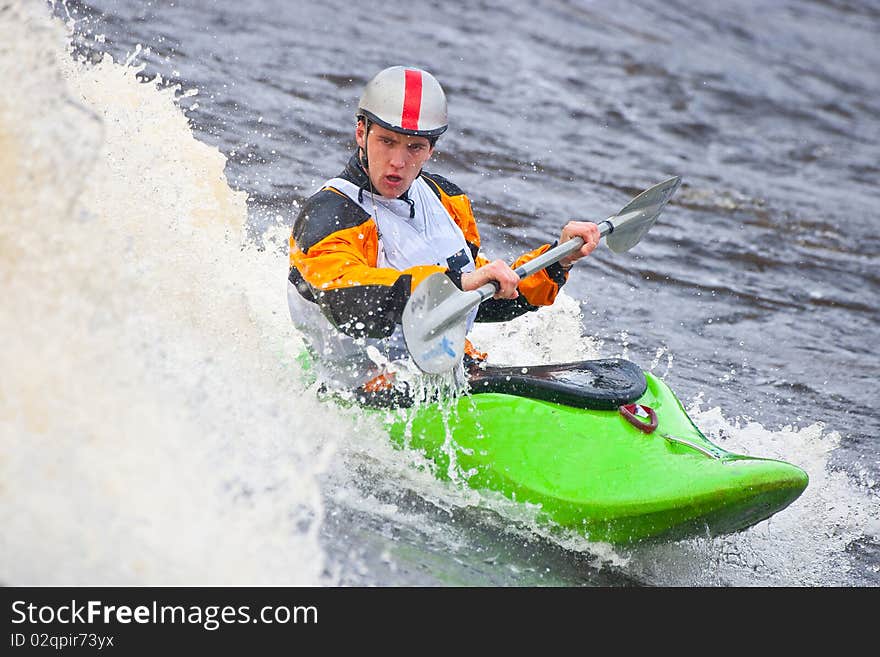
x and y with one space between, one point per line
155 425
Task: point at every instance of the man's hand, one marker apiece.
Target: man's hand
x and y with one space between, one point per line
586 230
497 270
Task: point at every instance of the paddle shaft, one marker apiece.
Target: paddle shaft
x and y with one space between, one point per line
452 310
546 259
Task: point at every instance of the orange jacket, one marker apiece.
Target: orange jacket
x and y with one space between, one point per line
334 249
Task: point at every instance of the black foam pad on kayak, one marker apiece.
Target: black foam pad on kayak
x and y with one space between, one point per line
596 384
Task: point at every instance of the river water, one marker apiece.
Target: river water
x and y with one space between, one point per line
155 429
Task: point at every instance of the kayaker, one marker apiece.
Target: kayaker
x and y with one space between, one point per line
368 237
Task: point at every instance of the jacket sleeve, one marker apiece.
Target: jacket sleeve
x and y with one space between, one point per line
539 289
333 256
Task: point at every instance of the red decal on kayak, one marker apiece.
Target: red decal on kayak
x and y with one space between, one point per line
412 100
633 413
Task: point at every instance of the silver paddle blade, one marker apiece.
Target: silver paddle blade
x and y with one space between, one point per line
434 350
636 219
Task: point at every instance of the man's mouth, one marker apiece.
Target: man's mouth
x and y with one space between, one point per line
393 179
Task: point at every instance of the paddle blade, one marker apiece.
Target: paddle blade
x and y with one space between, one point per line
636 219
437 350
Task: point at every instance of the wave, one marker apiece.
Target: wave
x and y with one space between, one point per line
155 427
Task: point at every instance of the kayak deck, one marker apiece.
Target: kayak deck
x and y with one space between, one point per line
593 471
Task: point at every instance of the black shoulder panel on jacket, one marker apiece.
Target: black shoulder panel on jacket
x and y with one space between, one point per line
323 214
449 187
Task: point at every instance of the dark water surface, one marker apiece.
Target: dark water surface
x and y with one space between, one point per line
761 279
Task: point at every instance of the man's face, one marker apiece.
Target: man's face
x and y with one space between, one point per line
394 159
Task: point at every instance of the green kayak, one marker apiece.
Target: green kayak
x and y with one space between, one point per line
601 447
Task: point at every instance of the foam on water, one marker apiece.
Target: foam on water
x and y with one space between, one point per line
553 334
809 543
146 414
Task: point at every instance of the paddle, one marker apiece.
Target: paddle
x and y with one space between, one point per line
435 317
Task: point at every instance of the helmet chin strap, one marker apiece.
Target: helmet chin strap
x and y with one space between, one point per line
362 152
366 165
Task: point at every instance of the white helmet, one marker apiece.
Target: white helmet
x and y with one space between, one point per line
405 100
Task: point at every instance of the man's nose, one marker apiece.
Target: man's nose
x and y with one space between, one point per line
398 158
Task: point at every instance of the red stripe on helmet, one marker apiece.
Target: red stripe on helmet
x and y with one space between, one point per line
412 100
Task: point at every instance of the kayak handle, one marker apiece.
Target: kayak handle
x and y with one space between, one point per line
629 413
